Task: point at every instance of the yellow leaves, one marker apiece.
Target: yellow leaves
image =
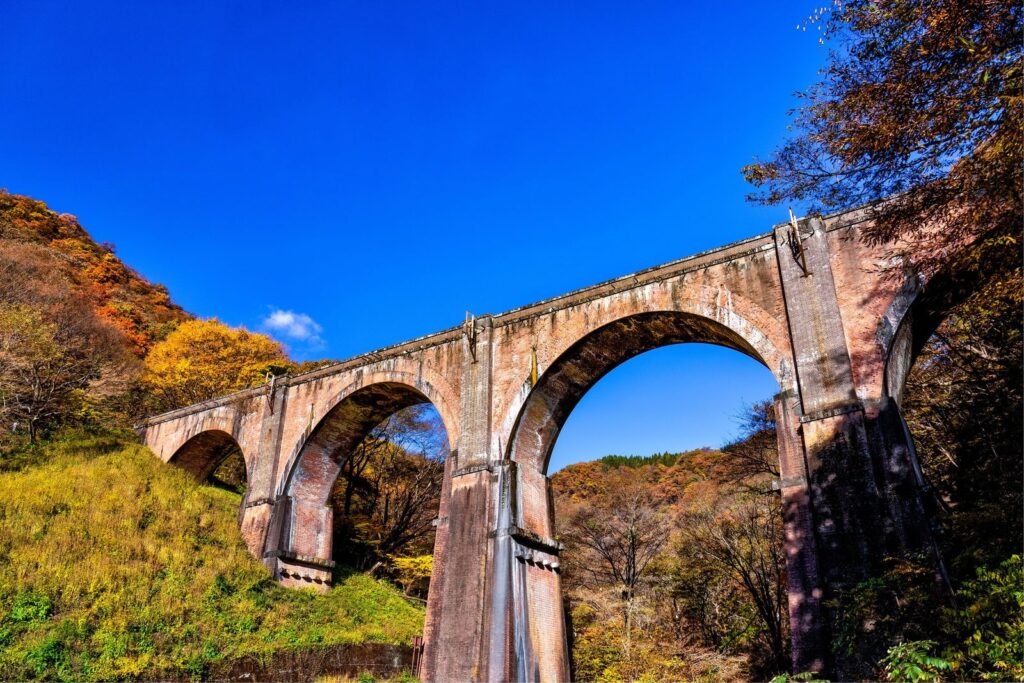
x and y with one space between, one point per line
25 329
203 359
413 572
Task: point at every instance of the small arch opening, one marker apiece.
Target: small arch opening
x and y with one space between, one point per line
386 498
365 489
213 457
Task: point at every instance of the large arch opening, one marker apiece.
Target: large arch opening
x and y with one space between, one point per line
365 487
953 371
673 399
673 561
579 368
213 457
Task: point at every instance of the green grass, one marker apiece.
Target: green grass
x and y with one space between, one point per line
116 566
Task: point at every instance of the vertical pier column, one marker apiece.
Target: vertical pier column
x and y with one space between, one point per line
459 644
846 502
808 626
258 503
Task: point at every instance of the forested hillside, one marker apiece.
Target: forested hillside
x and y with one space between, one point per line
114 565
40 246
85 340
673 568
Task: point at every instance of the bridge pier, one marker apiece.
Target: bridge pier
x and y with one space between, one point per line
807 623
856 493
469 622
502 619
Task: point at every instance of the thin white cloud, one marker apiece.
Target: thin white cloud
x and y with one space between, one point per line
295 327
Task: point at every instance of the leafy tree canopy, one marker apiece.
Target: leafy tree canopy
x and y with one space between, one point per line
203 359
920 103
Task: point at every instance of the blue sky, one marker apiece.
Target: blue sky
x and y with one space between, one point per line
349 175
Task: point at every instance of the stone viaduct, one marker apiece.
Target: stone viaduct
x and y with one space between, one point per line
837 322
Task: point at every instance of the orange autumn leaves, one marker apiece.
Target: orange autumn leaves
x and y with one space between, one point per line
141 311
118 348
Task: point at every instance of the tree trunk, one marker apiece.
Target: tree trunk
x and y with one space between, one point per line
627 640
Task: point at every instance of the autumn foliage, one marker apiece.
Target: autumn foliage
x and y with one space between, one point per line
921 104
673 568
203 359
84 339
387 496
115 565
141 311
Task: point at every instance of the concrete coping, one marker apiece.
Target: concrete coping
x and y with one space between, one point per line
305 560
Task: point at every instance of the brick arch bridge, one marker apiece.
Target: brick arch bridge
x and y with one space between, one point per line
836 321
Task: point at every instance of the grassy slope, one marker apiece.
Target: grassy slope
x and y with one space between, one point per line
113 565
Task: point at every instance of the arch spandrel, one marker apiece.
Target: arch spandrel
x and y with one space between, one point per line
869 282
169 437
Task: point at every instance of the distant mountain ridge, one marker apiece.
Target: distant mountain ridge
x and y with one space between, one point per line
673 480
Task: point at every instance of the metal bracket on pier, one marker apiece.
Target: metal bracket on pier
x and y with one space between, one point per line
469 330
796 244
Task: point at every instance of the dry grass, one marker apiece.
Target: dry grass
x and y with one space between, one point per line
115 566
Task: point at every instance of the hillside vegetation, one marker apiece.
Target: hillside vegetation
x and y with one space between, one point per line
31 234
84 339
674 568
114 565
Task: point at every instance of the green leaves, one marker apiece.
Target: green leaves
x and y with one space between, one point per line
911 662
29 607
989 624
982 639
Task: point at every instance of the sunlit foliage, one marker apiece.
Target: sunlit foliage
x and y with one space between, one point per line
920 104
59 360
32 233
673 568
203 359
